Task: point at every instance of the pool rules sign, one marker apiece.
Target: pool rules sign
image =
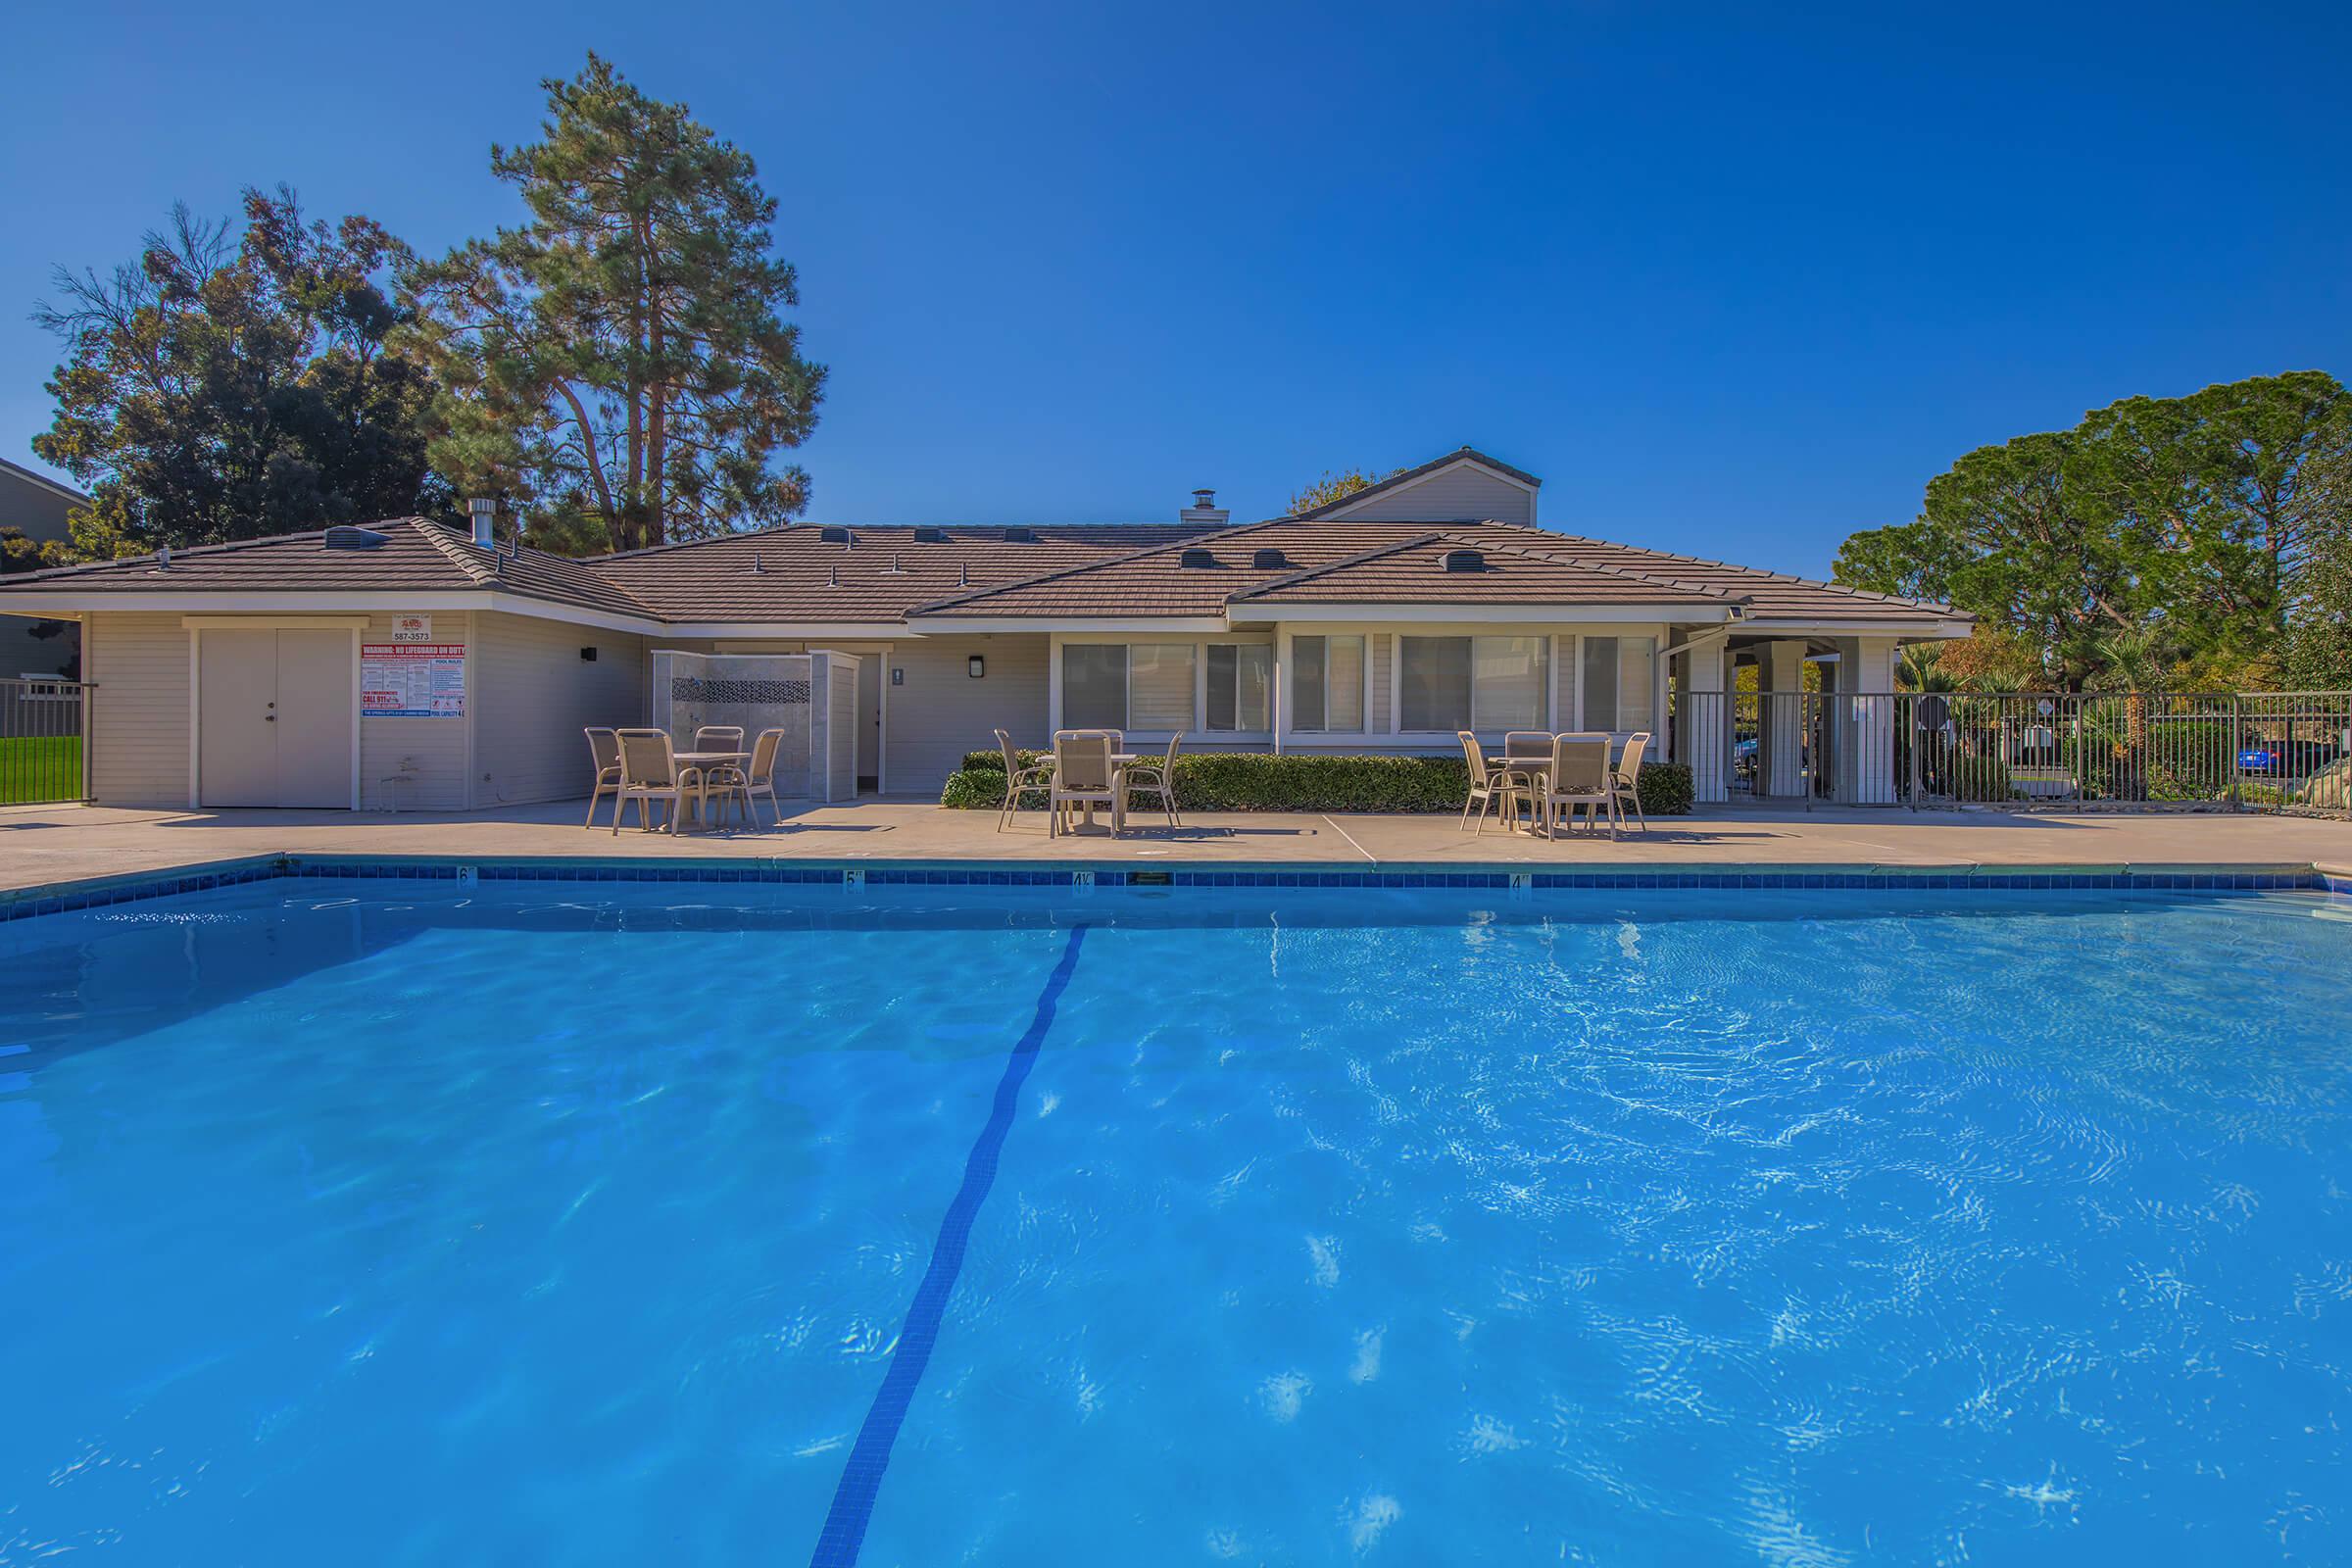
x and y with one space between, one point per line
413 680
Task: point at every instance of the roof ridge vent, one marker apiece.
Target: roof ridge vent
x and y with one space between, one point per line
927 535
1195 557
351 536
1270 557
833 534
1020 536
1464 561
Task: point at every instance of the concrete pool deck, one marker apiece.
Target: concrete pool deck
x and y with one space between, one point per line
46 846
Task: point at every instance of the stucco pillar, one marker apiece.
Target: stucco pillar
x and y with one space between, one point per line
1780 732
1863 717
1702 734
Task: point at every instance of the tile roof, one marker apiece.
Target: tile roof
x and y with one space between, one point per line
883 576
1345 560
1414 571
417 554
795 574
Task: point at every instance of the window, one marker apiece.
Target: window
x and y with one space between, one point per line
1159 686
1481 683
1620 678
1434 680
1239 679
1326 684
1093 686
1507 685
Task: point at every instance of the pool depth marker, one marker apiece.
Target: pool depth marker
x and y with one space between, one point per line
838 1544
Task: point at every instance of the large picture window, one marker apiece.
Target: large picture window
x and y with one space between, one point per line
1326 684
1481 683
1159 686
1240 682
1093 686
1620 681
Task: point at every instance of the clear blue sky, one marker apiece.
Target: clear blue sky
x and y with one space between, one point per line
1730 281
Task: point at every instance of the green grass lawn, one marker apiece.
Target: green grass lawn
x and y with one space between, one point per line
40 769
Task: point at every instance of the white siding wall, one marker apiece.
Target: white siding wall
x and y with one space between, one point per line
139 746
139 752
533 694
942 712
419 765
1451 495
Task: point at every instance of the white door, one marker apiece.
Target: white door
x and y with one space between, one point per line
274 716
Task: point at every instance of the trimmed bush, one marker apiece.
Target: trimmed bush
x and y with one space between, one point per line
993 761
1259 781
1666 789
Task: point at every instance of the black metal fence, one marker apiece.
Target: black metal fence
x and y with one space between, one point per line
44 740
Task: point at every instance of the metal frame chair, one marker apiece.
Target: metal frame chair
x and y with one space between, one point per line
1156 778
603 754
1487 784
1019 780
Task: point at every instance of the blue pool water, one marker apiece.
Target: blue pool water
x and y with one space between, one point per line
381 1222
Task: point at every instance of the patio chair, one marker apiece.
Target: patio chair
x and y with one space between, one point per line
650 772
1490 785
1578 779
1156 778
604 755
717 737
1084 775
754 778
1018 780
1529 745
1625 779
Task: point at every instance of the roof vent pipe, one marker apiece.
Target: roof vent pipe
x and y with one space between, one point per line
483 510
832 577
963 575
758 566
163 559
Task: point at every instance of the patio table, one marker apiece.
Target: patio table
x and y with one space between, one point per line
703 762
1119 766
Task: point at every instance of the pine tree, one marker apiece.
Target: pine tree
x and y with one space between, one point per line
618 365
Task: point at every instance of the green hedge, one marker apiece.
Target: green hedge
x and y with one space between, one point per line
1259 781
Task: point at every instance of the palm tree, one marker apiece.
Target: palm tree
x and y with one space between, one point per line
2135 666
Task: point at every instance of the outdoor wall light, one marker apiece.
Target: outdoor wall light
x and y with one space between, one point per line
588 656
975 666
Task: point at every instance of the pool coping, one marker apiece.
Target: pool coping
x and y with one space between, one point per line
58 898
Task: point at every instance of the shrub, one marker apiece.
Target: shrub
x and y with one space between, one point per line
1259 781
1666 789
993 761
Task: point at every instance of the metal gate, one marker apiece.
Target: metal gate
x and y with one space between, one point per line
44 740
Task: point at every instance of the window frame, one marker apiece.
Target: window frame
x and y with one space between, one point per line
1363 684
1195 728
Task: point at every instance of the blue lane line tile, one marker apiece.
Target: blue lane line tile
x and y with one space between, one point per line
838 1544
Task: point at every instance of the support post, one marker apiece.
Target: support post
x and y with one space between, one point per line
1780 736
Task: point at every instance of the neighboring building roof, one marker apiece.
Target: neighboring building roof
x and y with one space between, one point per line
35 503
1421 470
795 575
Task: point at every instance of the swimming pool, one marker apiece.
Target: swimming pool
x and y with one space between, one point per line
379 1221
